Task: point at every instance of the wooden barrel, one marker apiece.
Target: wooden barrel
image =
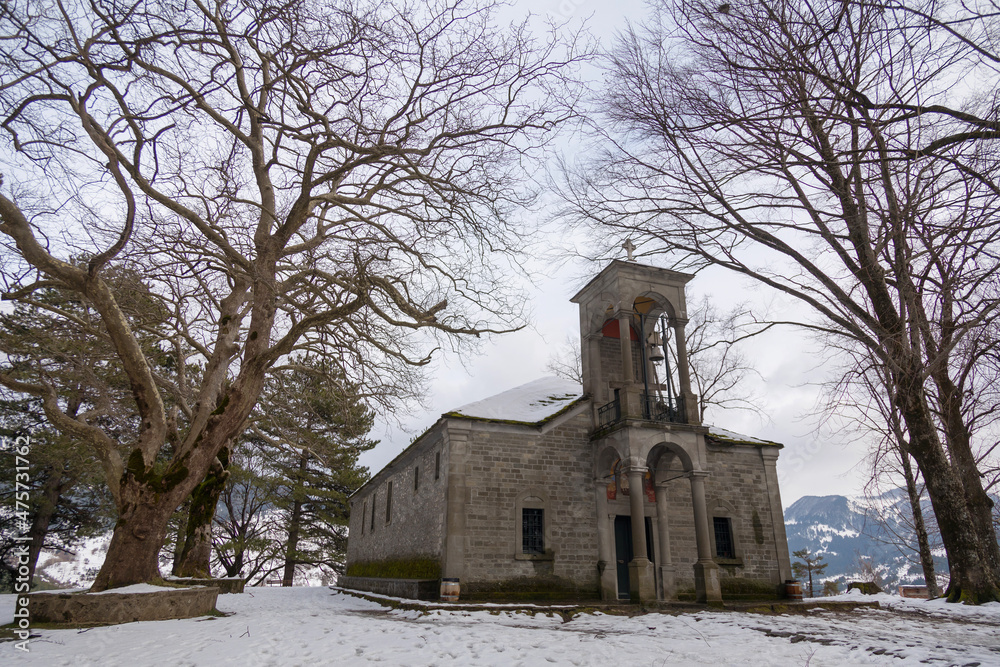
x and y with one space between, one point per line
450 590
793 590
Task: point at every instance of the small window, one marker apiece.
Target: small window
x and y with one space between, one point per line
416 478
724 547
437 465
364 517
532 531
371 527
388 503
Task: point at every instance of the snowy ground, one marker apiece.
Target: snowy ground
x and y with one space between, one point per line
316 626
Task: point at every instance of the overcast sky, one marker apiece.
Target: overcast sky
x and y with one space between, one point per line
813 462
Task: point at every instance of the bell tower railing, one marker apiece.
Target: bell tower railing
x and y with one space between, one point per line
660 409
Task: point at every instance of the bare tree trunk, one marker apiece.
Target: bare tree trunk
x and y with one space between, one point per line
923 544
148 500
52 490
235 568
978 501
294 524
971 578
179 541
196 555
133 555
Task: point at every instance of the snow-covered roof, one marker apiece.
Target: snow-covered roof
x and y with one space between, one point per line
544 398
531 403
731 437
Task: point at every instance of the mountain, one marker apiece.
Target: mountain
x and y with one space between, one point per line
861 538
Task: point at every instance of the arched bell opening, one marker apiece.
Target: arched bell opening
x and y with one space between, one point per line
662 361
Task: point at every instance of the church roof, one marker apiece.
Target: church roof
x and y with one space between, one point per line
531 403
724 437
540 400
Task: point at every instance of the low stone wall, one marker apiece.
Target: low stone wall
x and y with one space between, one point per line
225 585
83 608
413 589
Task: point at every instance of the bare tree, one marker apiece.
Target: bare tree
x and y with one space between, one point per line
791 142
719 366
314 177
565 362
860 400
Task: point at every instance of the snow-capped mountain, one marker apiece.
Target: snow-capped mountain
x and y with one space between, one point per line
858 534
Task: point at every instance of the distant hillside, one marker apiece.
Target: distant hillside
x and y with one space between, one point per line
848 531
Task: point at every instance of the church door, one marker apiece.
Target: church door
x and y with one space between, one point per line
623 550
623 553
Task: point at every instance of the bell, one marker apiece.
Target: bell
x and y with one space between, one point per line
655 346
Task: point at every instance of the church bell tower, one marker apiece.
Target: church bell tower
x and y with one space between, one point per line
633 350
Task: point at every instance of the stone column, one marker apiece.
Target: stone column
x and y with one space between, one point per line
625 334
706 572
667 571
691 410
590 359
640 571
456 500
606 567
769 455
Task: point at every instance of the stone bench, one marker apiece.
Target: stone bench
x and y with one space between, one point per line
112 607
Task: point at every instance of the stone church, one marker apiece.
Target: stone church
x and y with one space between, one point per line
612 490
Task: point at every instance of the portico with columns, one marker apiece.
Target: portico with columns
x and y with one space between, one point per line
646 427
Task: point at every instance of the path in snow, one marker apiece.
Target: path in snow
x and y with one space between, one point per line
316 626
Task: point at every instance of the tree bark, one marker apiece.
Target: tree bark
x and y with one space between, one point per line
52 490
959 446
294 524
923 544
971 578
133 555
196 555
148 500
180 539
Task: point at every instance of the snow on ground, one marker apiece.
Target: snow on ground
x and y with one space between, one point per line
311 626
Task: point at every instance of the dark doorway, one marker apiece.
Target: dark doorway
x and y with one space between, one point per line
623 550
623 553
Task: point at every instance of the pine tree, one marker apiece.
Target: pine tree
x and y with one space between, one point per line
311 429
56 340
812 564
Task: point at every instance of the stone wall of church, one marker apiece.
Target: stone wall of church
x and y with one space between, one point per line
414 529
737 489
510 466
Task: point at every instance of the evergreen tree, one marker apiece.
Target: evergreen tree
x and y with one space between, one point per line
310 428
812 564
55 340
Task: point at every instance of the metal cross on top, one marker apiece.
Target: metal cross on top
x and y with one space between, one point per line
629 248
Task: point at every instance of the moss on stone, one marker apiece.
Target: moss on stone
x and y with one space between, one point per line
866 587
528 588
737 588
411 568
